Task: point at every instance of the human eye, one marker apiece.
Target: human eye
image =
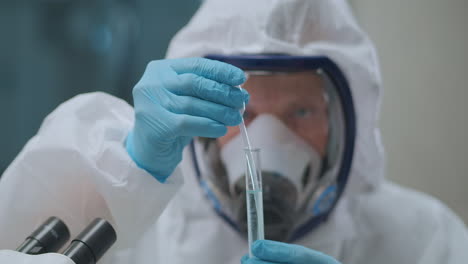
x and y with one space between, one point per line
303 112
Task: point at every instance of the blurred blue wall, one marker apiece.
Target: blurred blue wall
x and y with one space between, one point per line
51 50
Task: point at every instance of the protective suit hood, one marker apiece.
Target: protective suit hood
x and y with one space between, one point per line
299 27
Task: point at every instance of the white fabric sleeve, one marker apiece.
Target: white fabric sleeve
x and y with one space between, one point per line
77 168
449 243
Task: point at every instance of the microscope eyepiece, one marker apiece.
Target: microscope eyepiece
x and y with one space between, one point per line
91 244
48 237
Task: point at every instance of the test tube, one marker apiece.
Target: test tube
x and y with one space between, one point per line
253 182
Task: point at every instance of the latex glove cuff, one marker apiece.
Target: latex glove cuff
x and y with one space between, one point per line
130 150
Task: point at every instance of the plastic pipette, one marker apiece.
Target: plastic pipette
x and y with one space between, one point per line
255 231
250 161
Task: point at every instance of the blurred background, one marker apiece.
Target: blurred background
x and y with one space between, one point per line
422 46
51 50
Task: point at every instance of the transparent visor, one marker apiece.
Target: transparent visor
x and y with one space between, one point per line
296 120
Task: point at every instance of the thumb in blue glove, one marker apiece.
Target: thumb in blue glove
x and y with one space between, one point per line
268 252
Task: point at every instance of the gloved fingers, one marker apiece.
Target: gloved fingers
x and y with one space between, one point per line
156 71
246 260
215 70
197 107
185 140
170 125
195 126
190 84
289 253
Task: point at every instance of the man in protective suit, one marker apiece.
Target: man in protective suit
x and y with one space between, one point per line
169 174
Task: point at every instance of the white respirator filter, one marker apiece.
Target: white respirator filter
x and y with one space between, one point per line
281 152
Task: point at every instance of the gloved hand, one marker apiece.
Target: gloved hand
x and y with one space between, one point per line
267 252
177 100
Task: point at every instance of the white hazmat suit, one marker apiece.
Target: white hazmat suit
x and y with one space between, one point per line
77 168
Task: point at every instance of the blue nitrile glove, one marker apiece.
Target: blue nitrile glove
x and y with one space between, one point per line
267 252
177 100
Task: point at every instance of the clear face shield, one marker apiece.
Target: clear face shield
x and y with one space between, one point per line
298 118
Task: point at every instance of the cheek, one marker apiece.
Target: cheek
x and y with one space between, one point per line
231 132
316 137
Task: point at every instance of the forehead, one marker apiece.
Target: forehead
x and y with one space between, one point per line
297 85
299 77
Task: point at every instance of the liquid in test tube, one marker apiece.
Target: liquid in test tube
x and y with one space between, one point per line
253 181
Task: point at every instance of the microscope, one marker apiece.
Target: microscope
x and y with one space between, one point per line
41 245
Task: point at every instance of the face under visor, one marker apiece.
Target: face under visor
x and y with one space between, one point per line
301 116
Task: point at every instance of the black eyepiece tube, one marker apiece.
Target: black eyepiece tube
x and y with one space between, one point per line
48 237
92 243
